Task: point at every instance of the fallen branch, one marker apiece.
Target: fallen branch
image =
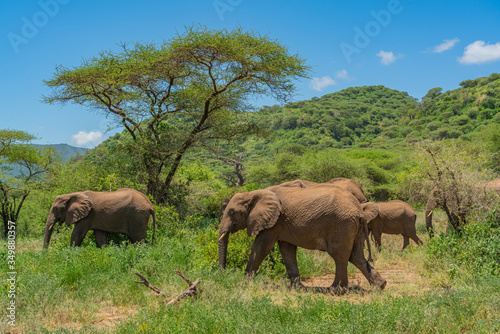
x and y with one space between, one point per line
191 291
146 283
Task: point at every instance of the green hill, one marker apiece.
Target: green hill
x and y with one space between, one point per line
353 116
378 117
370 126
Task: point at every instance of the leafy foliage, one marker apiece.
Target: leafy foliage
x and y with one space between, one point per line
30 163
472 253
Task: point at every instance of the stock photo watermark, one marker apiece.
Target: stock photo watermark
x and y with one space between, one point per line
223 6
364 35
11 274
31 25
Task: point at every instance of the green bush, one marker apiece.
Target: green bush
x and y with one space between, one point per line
470 252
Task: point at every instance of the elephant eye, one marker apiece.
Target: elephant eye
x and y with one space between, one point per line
230 213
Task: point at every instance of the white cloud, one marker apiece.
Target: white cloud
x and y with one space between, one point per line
446 45
92 138
387 57
321 83
343 75
479 53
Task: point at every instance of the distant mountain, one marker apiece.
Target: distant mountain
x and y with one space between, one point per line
66 151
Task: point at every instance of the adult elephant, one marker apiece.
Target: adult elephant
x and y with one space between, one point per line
450 204
123 211
347 184
322 217
394 217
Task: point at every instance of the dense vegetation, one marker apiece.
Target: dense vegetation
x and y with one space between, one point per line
374 134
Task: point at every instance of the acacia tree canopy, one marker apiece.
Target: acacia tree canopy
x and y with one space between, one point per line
192 89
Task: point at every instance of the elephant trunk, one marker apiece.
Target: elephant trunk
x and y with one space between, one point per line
223 235
49 227
223 242
431 204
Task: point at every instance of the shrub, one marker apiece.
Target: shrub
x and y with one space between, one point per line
472 252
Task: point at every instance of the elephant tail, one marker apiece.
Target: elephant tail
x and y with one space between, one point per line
154 226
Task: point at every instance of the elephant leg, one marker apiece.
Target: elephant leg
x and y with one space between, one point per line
358 259
262 246
341 279
78 234
289 253
101 238
416 239
378 239
406 241
340 255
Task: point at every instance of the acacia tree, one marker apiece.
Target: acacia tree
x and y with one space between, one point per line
173 96
21 166
451 176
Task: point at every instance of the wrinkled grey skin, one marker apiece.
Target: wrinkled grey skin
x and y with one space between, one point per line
347 184
395 217
323 217
123 211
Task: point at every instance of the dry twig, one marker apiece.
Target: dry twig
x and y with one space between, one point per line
146 283
191 291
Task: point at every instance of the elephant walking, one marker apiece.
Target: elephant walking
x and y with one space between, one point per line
322 217
123 211
394 217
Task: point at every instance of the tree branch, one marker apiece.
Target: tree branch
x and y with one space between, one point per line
146 283
191 291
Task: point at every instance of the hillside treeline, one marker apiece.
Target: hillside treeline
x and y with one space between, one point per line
365 133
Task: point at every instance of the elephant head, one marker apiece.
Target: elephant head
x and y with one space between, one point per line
432 202
255 210
69 209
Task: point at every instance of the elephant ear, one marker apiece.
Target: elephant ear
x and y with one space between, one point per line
371 211
78 207
264 211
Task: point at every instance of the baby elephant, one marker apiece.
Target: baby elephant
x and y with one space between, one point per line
394 217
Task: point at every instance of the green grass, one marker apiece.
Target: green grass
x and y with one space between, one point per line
91 290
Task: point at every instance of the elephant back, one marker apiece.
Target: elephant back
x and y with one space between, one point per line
122 211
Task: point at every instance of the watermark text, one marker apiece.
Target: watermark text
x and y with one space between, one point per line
11 274
363 36
32 24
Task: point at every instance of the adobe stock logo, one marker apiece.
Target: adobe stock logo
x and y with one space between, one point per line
221 7
30 26
372 29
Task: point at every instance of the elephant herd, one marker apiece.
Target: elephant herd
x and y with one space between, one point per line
334 217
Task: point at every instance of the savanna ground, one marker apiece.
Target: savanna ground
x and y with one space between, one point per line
91 290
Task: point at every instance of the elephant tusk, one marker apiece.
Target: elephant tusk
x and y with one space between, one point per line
430 213
51 226
223 235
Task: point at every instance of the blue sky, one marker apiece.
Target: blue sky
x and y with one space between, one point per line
408 45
